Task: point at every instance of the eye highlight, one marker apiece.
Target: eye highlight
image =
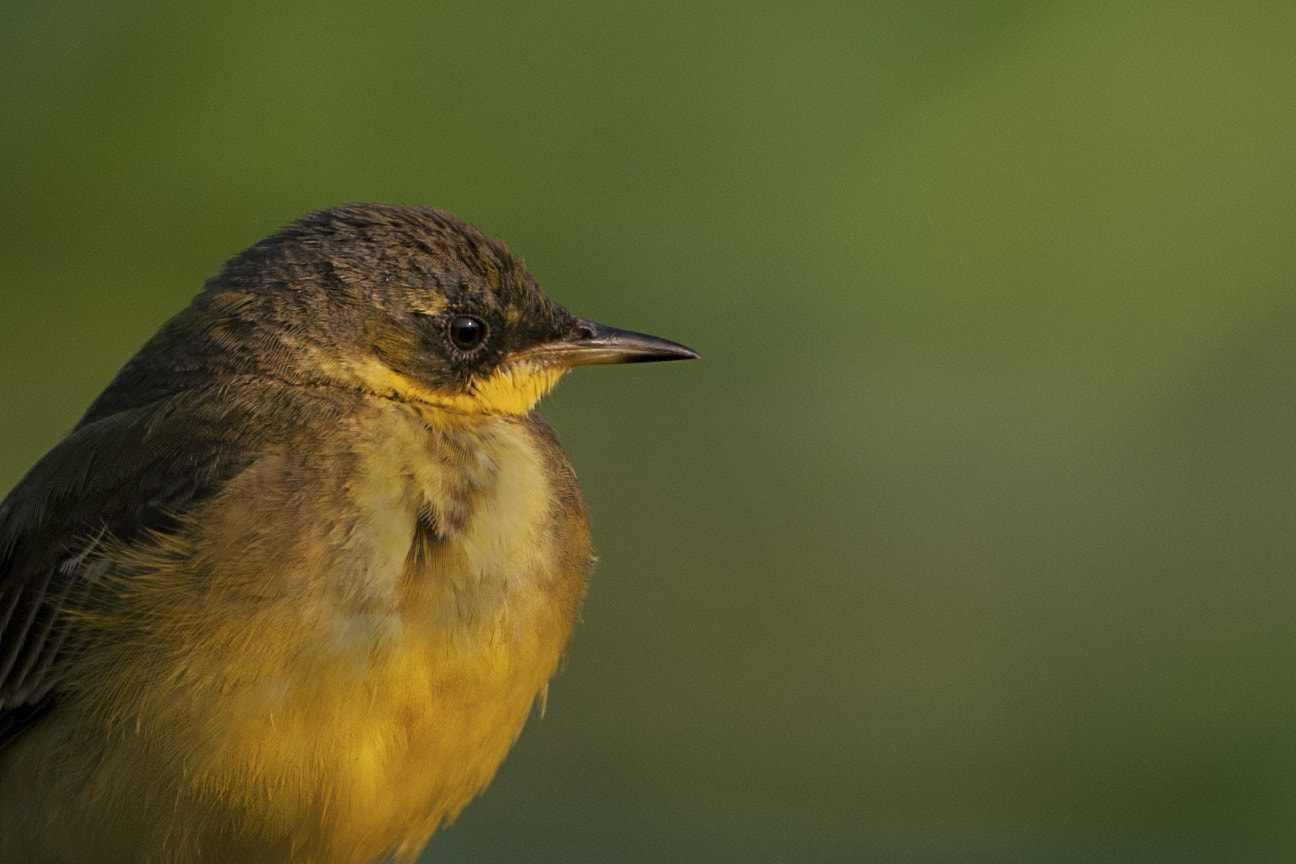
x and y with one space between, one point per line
467 332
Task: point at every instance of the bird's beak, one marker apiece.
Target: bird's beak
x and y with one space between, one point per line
588 344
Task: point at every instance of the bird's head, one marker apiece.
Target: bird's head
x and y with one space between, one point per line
405 302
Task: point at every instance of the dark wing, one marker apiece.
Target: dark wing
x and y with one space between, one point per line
118 477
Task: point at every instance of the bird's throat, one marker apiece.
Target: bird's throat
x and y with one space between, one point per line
513 388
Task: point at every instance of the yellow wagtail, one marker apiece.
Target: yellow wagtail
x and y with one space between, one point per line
289 589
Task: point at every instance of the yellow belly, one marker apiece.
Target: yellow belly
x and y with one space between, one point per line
335 771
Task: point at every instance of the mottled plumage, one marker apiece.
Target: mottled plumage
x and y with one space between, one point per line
289 589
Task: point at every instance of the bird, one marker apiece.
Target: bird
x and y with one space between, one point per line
289 589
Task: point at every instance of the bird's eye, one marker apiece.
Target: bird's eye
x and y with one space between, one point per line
467 332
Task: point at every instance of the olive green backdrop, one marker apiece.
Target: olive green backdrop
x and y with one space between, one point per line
969 539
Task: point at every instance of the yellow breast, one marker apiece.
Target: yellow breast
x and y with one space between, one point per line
364 632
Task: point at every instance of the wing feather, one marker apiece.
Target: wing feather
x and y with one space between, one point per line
116 479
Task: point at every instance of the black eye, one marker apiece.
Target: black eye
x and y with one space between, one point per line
467 332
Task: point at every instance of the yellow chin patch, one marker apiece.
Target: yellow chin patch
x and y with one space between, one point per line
514 388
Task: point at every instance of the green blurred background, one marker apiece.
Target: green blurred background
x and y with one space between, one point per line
971 536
